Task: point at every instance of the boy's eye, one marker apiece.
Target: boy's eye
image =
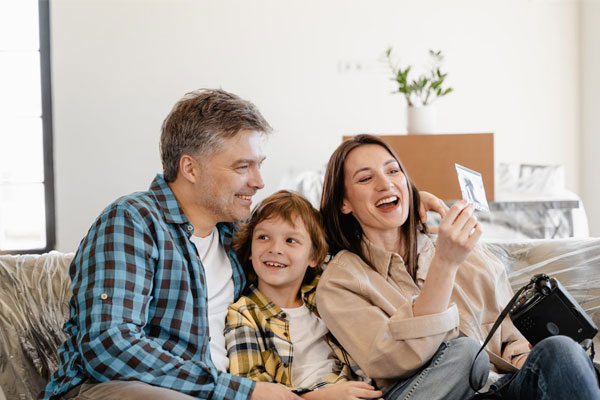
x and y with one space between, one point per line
364 179
262 237
291 240
394 171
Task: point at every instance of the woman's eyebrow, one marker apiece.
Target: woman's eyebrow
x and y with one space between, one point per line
360 170
390 161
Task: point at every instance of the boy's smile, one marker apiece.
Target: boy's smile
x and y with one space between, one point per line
281 252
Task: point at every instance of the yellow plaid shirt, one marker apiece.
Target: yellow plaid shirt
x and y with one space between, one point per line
257 337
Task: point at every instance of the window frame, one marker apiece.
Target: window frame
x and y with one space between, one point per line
47 133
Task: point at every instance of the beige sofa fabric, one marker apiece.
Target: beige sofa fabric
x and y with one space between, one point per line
34 294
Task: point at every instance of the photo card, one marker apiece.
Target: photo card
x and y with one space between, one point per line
471 187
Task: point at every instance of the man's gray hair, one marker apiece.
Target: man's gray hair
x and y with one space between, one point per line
200 121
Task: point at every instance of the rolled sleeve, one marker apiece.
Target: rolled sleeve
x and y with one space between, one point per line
405 326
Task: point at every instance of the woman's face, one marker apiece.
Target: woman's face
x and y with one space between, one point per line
376 190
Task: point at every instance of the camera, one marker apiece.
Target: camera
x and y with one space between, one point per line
545 308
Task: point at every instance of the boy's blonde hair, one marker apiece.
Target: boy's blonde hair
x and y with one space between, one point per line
287 205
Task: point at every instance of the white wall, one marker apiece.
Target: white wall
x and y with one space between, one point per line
119 66
590 121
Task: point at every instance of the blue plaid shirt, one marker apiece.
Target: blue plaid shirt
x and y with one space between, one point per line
139 305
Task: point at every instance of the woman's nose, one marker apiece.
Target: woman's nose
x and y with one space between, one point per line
383 183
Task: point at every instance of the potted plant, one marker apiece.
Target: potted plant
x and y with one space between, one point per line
421 92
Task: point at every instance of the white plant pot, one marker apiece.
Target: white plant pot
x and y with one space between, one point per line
420 120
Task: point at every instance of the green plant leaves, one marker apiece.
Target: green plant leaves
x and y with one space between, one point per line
427 87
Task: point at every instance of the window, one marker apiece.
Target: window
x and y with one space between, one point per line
26 172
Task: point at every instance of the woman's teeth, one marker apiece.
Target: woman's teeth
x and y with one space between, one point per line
387 200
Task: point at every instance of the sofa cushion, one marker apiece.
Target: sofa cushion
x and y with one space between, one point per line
34 294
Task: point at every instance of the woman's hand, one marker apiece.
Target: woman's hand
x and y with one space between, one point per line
521 361
458 234
344 391
430 202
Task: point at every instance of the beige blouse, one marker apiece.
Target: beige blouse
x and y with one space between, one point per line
369 310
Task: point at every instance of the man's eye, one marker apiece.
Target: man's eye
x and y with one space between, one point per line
242 168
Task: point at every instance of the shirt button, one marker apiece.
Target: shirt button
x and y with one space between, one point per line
285 334
285 365
104 296
189 227
283 315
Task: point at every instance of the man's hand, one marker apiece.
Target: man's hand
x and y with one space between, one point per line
272 391
345 391
430 202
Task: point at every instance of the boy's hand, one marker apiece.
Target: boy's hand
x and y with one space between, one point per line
272 391
345 391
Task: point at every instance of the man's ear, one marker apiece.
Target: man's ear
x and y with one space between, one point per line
346 207
188 168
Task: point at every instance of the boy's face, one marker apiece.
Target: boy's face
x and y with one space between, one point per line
281 252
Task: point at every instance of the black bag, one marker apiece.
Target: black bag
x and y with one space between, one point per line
541 309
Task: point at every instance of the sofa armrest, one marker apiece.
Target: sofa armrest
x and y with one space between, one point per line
34 294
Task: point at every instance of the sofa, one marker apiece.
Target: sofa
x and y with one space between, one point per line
35 289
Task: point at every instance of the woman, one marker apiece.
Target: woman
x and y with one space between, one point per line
412 311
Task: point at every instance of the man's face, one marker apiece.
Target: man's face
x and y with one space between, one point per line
230 177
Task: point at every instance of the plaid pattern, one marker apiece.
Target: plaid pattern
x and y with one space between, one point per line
139 305
257 337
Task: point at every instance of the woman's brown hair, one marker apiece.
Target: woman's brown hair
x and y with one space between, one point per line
289 206
343 231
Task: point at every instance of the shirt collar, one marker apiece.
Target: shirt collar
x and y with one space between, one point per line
270 309
173 213
166 201
382 259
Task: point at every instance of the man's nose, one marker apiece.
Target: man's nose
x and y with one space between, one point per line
256 180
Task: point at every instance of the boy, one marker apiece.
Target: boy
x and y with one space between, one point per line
274 333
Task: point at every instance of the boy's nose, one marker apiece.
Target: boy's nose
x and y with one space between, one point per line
275 248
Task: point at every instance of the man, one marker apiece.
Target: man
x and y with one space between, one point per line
154 275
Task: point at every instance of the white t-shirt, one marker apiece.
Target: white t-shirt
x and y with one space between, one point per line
312 357
220 290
